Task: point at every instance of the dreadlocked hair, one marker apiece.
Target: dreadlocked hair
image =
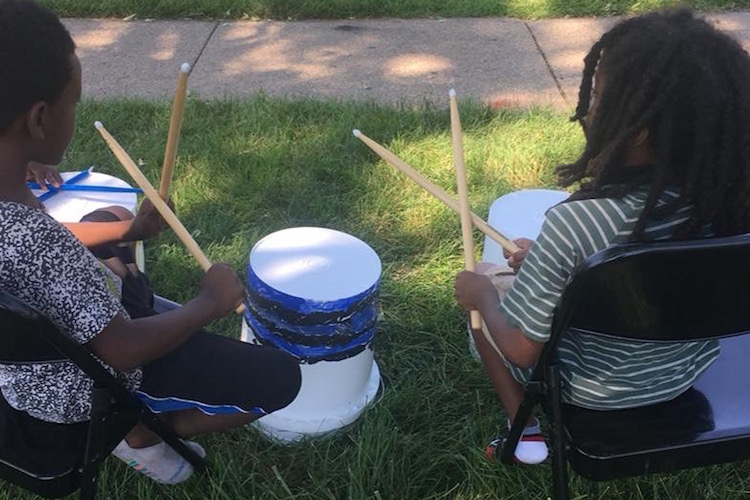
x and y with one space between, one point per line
685 83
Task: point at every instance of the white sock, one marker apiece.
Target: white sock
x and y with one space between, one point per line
159 462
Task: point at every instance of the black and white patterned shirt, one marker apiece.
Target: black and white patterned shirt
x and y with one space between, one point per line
44 265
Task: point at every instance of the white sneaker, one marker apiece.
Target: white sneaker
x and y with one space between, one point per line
159 462
532 447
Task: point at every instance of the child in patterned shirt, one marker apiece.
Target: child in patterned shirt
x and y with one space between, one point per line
199 382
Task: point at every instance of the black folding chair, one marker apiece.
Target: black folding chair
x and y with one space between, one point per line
655 292
54 460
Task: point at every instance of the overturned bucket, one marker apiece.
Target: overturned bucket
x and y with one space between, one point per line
313 293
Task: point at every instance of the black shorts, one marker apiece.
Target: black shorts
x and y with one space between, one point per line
213 373
220 375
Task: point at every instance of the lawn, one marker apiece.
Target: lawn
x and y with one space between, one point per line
248 168
343 9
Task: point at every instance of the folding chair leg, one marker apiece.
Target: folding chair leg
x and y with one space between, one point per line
517 426
557 436
88 481
100 402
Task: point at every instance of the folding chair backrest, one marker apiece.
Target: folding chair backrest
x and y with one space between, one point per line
21 340
54 460
27 337
662 291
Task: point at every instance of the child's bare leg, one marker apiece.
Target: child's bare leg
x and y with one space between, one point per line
115 264
189 423
120 212
141 436
531 448
507 389
484 267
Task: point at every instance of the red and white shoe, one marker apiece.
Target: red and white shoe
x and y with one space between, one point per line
531 450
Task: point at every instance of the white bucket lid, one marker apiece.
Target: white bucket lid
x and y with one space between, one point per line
519 214
315 263
70 206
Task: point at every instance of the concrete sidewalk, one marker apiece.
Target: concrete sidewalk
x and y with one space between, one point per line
497 60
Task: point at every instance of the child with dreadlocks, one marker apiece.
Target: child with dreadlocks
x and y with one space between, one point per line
665 107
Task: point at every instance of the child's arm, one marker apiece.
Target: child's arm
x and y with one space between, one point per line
92 234
125 344
146 224
55 274
476 292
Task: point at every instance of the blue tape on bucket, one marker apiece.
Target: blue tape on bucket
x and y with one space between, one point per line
311 330
312 354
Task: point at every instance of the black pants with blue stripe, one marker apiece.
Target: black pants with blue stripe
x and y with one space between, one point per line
210 372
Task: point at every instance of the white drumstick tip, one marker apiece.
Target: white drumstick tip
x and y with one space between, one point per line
98 125
452 93
356 132
185 68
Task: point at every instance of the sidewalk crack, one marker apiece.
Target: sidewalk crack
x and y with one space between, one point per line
546 62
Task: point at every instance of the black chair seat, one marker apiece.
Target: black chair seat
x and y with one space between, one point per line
53 460
651 292
606 444
41 456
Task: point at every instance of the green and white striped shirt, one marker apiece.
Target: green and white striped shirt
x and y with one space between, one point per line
598 373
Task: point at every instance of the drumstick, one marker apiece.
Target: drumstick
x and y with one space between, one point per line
157 201
463 198
435 191
173 136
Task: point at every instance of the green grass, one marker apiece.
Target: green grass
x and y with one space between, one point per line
343 9
248 168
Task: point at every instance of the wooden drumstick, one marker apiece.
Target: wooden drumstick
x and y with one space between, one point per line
173 136
160 205
436 191
463 198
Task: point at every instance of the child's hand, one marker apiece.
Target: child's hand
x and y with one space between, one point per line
515 260
222 289
147 223
43 174
474 290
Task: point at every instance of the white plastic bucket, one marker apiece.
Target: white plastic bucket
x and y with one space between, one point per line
70 206
519 214
313 293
